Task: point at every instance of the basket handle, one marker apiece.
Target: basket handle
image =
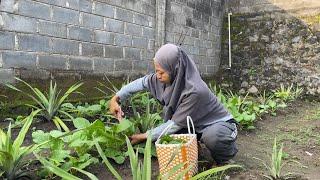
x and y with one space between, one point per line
164 131
189 120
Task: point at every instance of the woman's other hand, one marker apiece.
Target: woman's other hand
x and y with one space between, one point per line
115 108
137 138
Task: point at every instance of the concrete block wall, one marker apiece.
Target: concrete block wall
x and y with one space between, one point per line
197 26
95 37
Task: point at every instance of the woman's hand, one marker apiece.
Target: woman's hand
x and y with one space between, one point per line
115 108
137 138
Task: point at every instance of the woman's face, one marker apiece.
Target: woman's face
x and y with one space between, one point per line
162 74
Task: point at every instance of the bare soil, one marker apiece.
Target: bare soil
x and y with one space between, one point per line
297 127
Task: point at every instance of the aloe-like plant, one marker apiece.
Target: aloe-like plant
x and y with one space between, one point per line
139 170
276 163
288 94
149 116
12 153
50 102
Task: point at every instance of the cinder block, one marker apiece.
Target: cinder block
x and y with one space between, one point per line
85 5
52 62
19 60
92 21
132 53
81 64
133 29
122 65
79 33
7 40
6 76
65 15
148 32
103 37
124 15
67 47
34 9
34 43
140 66
114 25
140 42
17 23
123 40
104 10
54 2
103 65
52 29
90 49
140 19
113 52
148 9
7 5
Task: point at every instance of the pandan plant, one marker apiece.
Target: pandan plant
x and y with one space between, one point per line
50 102
12 153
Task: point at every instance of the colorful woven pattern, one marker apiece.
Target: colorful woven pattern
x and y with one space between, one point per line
171 155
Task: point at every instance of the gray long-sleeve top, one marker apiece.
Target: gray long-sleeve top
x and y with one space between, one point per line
140 85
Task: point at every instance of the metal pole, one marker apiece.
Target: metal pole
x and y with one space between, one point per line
229 14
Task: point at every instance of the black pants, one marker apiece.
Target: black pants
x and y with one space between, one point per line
220 139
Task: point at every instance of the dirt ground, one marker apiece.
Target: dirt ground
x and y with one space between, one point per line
298 128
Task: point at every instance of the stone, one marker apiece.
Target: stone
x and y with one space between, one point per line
254 38
279 60
296 39
242 91
244 84
253 90
265 38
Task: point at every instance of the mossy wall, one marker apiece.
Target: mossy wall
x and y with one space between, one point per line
271 47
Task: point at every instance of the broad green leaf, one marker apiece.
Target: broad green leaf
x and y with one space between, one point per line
56 170
122 126
81 123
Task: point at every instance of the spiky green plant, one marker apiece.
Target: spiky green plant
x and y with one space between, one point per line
50 102
12 153
276 163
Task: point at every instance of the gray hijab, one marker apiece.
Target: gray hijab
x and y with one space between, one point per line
187 94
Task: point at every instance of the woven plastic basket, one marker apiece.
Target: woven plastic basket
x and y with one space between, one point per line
171 155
